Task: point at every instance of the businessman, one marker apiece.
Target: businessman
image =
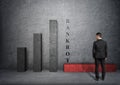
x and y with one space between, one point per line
99 54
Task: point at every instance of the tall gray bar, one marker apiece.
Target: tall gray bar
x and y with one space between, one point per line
21 59
53 59
37 52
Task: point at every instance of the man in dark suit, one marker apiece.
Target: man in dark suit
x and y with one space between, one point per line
99 54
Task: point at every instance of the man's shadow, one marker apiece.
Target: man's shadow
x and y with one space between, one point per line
92 75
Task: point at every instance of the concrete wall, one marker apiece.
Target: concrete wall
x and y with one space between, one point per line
22 18
0 37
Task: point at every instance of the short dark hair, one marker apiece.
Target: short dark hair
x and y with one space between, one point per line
99 34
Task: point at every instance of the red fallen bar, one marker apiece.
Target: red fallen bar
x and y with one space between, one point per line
76 67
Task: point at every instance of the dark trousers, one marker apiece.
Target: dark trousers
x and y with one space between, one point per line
102 63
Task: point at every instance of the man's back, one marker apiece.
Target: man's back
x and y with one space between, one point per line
100 49
100 55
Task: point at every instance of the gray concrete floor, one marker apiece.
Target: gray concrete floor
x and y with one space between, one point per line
55 78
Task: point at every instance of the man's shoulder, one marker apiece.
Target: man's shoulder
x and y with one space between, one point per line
99 41
94 41
104 41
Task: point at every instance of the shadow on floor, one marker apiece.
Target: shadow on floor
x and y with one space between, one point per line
92 75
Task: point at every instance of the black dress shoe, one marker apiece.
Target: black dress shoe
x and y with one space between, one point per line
103 79
97 79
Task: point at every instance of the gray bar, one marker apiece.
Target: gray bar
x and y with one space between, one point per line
53 60
21 59
37 52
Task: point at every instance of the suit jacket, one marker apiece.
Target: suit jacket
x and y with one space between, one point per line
100 49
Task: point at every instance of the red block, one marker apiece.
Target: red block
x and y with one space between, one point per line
74 67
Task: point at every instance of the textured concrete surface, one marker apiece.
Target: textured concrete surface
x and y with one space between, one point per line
21 18
37 52
55 78
21 59
53 56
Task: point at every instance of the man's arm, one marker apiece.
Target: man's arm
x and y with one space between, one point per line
93 50
106 50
